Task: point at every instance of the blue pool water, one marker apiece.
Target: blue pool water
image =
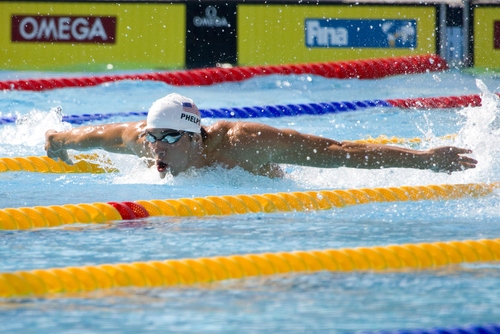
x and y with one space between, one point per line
323 302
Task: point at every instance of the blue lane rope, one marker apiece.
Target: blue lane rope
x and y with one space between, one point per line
242 112
470 329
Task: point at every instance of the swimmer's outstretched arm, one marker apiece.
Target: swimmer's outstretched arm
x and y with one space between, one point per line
118 138
291 147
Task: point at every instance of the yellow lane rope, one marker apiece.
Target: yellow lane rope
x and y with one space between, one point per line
200 270
86 163
93 163
384 140
48 216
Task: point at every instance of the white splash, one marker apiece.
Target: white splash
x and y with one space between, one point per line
235 179
27 136
135 171
481 133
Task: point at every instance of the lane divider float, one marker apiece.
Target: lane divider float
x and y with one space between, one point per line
203 270
241 112
296 109
385 140
84 162
470 329
49 216
361 69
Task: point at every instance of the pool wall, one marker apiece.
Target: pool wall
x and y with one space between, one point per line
99 36
70 35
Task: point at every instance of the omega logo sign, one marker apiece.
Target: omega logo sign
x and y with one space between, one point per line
211 19
63 29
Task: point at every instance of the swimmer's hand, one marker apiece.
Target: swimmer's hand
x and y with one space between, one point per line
448 159
55 148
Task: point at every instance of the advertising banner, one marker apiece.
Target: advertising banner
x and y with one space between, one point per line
91 36
277 34
63 29
361 33
487 37
210 34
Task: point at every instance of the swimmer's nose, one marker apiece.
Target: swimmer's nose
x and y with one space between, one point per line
158 152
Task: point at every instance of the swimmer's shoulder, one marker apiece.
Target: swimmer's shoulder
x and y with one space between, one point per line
219 129
219 126
227 130
228 127
216 133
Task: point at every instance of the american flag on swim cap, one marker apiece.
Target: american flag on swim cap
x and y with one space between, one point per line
190 108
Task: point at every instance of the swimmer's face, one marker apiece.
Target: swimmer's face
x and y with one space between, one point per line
172 149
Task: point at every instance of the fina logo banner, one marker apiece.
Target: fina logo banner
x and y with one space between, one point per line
63 29
357 33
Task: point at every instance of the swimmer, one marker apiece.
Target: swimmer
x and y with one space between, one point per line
174 140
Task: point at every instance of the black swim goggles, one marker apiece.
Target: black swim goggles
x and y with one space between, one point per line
171 137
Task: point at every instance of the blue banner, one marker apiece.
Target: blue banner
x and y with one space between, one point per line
361 33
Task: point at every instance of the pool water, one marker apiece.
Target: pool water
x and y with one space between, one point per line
322 302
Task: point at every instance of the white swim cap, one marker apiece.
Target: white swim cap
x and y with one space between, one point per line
174 112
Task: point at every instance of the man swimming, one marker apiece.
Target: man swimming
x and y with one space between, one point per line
174 138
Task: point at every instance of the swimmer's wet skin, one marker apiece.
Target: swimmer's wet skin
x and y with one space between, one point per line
174 138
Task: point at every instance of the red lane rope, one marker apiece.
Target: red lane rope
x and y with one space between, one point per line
439 102
130 210
361 69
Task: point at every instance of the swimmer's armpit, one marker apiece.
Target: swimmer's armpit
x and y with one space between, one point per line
271 170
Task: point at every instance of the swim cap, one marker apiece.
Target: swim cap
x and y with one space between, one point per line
174 112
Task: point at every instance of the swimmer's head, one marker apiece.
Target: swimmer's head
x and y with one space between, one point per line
174 112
